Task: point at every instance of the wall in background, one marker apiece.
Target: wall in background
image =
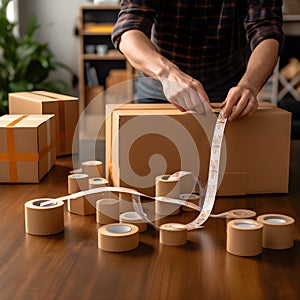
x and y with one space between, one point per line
57 19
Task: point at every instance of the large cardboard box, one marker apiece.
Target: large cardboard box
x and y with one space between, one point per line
146 140
27 147
65 109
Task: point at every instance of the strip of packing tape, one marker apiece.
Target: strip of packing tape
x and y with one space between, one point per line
277 231
191 198
44 220
172 234
132 217
209 198
244 237
118 237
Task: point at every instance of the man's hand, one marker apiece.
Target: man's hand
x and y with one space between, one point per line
185 92
240 102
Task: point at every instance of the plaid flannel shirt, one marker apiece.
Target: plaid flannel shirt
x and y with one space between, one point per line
209 40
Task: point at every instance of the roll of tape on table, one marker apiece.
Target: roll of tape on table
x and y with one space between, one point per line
190 198
133 218
244 237
125 202
107 211
77 183
44 220
118 237
187 183
167 188
97 182
172 234
81 206
277 231
93 168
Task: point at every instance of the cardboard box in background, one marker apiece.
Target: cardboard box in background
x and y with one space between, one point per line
27 147
65 109
256 157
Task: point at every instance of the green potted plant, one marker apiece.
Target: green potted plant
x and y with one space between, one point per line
25 64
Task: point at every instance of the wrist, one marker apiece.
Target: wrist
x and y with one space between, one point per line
164 68
249 86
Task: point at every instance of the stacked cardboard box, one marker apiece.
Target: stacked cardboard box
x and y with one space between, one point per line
147 140
65 109
27 147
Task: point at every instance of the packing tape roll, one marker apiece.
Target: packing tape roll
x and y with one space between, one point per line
172 234
97 182
244 237
133 218
81 206
107 211
125 203
118 237
193 198
277 231
93 168
166 187
187 183
44 220
77 183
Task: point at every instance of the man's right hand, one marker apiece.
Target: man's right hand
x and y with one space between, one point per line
185 92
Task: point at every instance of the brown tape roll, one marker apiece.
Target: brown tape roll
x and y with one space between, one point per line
190 198
244 237
277 231
44 220
77 183
172 234
107 211
118 237
133 218
97 182
93 168
187 183
125 202
167 188
81 206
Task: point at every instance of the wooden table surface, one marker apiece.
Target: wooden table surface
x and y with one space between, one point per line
70 265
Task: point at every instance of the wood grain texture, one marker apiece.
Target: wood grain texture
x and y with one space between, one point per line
70 266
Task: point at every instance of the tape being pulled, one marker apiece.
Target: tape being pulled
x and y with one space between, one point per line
211 190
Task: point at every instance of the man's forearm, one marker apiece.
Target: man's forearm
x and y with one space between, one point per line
261 65
142 54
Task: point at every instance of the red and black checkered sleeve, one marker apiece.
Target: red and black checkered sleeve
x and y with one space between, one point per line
138 15
264 21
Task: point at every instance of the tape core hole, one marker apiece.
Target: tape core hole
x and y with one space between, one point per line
79 176
245 225
131 215
119 229
275 220
97 180
39 202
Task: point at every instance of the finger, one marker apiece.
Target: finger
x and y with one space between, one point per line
179 107
239 108
201 99
196 102
250 108
230 101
